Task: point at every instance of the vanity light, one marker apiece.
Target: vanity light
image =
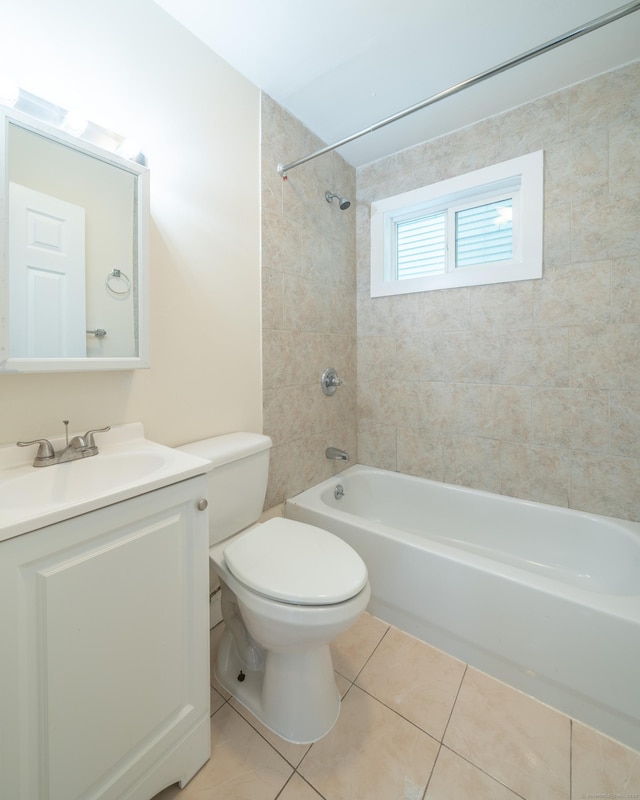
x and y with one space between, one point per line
129 148
75 123
9 92
70 121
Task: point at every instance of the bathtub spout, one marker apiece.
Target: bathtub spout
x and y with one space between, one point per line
336 455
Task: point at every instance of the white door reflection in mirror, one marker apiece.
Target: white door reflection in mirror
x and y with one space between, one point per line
47 275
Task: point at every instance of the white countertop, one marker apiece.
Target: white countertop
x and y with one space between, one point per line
127 465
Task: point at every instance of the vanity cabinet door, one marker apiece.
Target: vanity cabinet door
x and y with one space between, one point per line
105 651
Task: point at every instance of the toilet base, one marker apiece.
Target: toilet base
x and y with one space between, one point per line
294 695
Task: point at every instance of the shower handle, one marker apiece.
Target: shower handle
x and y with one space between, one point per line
330 381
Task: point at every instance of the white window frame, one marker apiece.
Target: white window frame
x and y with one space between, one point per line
520 179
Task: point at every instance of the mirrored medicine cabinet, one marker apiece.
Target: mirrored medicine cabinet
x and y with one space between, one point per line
74 291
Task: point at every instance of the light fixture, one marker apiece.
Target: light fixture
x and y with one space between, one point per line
9 92
129 148
71 121
75 123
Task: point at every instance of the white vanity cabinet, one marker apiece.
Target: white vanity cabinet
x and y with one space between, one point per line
104 652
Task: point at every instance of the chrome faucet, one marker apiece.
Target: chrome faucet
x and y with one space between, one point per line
336 455
78 447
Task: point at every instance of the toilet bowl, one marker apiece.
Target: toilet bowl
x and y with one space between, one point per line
288 590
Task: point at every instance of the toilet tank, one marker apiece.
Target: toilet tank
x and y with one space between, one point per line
237 484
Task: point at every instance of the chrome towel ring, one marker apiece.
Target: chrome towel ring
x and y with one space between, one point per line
117 282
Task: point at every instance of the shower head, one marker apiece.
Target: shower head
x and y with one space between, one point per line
342 201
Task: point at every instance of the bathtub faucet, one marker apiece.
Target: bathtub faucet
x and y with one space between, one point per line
336 455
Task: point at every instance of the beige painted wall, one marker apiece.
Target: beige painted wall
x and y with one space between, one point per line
134 70
530 389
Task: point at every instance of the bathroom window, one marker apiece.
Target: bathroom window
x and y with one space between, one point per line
478 228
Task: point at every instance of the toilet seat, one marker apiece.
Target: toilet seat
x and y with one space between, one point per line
293 562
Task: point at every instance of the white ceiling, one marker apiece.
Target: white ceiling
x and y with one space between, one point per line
340 66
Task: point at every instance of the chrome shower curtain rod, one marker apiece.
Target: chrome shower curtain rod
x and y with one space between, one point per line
599 22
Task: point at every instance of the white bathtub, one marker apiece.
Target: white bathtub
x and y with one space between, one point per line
544 598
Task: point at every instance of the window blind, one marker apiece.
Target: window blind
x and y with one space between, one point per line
484 234
421 246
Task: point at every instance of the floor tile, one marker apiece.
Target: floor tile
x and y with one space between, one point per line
371 754
522 743
414 679
299 789
455 779
293 753
242 765
216 700
602 767
351 649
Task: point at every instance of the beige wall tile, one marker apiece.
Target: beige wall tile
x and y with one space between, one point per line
470 356
577 168
557 235
535 473
376 358
272 300
377 446
431 311
624 159
604 484
605 356
472 461
421 453
281 244
497 387
625 423
503 305
625 290
575 419
612 96
312 245
604 226
534 357
580 295
500 412
569 338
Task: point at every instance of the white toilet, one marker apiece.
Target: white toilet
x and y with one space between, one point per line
288 589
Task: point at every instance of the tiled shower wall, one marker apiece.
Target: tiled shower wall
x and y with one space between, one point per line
530 389
309 306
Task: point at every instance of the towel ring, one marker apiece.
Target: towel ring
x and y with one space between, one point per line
118 275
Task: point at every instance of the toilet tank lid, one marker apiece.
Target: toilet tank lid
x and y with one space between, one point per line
228 447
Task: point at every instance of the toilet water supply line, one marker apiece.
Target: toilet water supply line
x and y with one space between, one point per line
588 27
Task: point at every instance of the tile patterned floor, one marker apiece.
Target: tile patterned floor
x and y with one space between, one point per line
415 724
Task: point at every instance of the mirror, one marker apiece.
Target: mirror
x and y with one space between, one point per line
74 271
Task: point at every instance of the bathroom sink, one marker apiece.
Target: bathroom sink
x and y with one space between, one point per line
66 483
127 465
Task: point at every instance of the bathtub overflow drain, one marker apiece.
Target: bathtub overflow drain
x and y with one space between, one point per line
338 492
